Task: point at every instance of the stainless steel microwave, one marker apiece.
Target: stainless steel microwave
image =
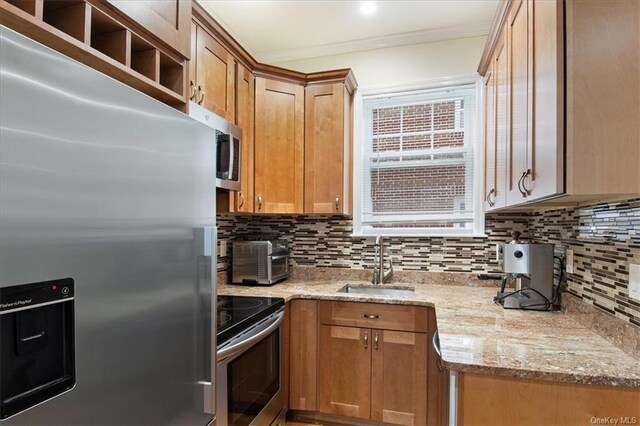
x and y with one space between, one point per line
228 142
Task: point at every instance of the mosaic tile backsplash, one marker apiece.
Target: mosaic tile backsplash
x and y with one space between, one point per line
605 238
325 241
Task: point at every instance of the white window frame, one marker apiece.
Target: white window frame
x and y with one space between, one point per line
478 228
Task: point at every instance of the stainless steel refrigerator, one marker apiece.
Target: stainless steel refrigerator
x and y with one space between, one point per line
107 231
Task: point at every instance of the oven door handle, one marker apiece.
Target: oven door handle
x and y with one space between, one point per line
255 336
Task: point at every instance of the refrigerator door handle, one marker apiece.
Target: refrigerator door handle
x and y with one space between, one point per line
206 241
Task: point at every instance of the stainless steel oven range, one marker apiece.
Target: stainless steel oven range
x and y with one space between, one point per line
249 360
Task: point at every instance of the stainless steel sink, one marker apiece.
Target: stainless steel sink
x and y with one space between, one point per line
382 290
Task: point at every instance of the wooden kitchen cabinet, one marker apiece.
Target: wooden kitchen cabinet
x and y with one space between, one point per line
544 174
374 315
101 36
214 75
168 20
603 106
572 129
517 45
345 371
496 141
304 352
490 138
193 61
285 167
328 149
399 377
279 147
536 107
243 200
494 400
371 372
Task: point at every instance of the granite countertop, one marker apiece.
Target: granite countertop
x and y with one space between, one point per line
478 336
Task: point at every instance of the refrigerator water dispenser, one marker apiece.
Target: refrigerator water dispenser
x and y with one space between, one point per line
37 355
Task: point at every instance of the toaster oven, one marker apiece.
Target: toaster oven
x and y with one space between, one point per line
264 262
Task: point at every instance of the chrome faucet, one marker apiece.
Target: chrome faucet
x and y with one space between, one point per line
380 275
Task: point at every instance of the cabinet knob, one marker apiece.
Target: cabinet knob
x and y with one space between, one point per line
241 197
193 91
366 340
337 203
259 202
488 199
371 316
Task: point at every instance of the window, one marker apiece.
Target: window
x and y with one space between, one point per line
419 171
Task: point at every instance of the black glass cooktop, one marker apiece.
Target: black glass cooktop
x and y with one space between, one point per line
237 313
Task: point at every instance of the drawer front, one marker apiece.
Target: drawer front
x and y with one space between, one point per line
374 315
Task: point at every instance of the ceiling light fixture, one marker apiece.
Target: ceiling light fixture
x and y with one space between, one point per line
368 8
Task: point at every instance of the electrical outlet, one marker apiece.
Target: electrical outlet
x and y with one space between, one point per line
634 281
569 261
222 249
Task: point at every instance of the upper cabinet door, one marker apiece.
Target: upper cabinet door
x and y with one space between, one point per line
327 149
242 201
215 72
501 69
193 61
168 20
490 168
545 147
518 80
279 147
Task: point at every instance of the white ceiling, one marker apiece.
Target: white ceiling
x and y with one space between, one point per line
278 31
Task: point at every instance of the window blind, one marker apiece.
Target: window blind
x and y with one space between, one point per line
418 159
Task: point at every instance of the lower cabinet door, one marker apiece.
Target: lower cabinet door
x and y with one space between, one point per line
399 377
345 371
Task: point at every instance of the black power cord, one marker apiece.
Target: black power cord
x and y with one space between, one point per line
558 287
532 307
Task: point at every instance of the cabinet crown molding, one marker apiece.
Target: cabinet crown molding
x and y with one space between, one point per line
494 33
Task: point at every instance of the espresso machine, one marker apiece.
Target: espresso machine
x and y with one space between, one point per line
529 266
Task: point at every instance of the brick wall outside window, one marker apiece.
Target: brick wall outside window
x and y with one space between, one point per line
418 163
429 187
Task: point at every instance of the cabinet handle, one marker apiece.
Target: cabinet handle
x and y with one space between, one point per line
337 203
524 187
259 202
375 341
193 91
241 196
366 340
488 199
202 95
371 316
524 194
